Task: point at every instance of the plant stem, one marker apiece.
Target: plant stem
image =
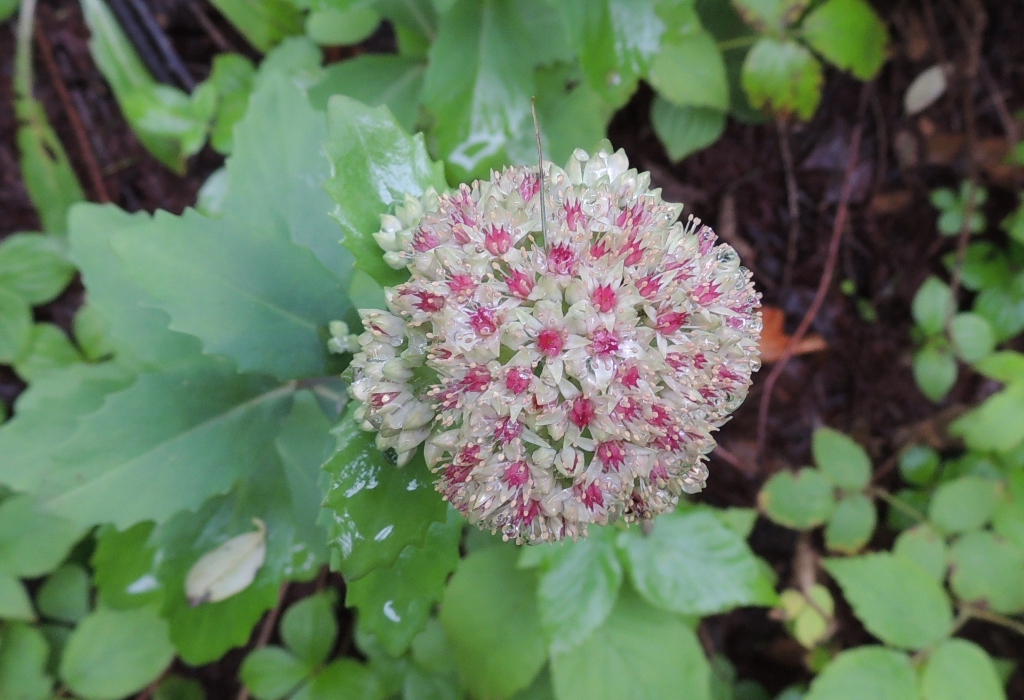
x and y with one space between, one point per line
898 504
994 617
737 43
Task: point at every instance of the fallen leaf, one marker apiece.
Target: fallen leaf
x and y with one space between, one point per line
774 339
926 88
228 569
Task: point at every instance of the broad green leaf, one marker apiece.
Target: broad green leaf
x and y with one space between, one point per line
374 80
114 653
963 504
770 16
490 616
919 464
344 678
1006 366
46 416
1004 310
987 569
997 424
271 491
841 459
800 500
232 78
178 688
263 23
375 165
685 130
375 508
866 672
34 266
48 349
616 41
849 34
479 81
165 444
689 71
32 543
926 548
277 173
23 656
960 670
691 563
639 652
782 77
14 601
137 331
15 326
932 304
739 520
309 628
271 673
334 26
570 112
125 567
394 603
579 585
972 336
897 600
851 525
65 594
934 371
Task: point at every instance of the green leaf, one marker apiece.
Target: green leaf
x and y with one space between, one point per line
997 424
178 688
34 266
115 653
800 500
926 548
987 570
15 326
866 672
1003 308
23 654
1006 366
570 112
376 509
782 77
578 588
374 80
165 444
345 678
685 130
32 543
689 71
897 600
841 459
480 80
960 670
934 371
263 23
490 616
639 652
65 594
616 41
125 567
232 77
691 563
848 34
851 525
48 349
271 673
919 464
46 417
334 26
14 601
375 165
394 603
972 336
963 504
769 16
309 628
932 304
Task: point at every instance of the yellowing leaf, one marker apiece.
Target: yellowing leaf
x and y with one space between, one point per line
229 569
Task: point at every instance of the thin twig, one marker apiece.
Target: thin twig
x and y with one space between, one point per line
163 44
995 618
792 198
84 148
210 28
839 225
898 504
265 631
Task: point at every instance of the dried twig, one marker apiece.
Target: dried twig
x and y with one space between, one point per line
839 225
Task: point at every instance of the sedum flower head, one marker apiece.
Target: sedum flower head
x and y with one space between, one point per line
561 374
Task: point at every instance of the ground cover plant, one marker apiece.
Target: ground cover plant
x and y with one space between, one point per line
218 474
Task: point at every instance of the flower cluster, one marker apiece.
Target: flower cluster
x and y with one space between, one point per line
559 370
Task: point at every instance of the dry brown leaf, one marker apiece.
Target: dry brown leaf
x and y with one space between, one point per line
774 339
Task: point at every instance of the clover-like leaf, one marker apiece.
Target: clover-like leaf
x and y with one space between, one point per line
986 569
849 34
800 500
782 76
851 525
963 504
868 671
960 669
841 459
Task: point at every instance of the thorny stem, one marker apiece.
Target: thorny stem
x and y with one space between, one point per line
898 504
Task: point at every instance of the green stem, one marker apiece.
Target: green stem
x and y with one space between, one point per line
898 504
995 618
23 50
737 43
